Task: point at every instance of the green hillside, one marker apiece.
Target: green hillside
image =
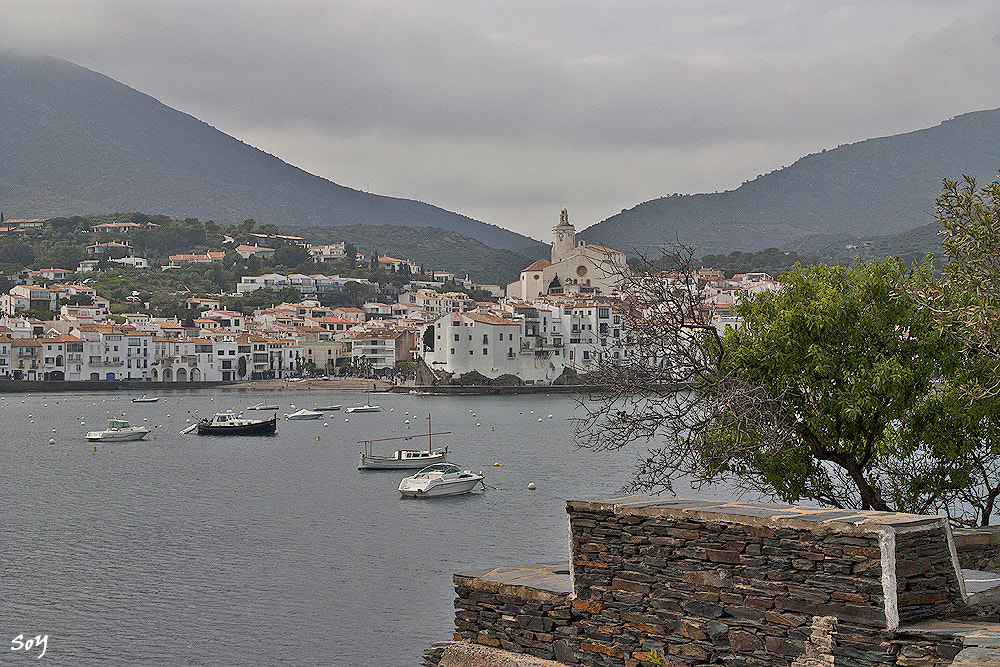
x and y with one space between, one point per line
62 242
76 142
913 247
873 188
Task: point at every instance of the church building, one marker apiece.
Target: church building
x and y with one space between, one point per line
575 269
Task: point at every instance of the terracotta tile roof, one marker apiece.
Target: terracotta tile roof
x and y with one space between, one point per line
489 319
539 265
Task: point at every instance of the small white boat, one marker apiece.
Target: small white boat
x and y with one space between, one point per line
118 430
304 414
327 408
262 406
146 399
440 479
365 408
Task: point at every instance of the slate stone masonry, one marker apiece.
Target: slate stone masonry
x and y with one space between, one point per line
979 548
690 582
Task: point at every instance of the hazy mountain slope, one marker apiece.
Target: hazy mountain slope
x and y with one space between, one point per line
874 187
912 244
76 142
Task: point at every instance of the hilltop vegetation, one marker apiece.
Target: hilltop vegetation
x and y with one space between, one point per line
434 248
62 243
913 247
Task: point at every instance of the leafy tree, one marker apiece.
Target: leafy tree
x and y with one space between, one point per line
955 468
16 251
288 295
291 256
814 397
966 298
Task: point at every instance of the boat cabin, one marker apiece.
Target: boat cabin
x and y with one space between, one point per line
441 468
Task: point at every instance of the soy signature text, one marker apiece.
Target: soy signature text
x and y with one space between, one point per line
19 643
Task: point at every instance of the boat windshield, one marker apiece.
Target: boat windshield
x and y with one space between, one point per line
118 425
440 467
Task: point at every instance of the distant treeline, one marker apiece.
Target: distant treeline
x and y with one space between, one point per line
771 260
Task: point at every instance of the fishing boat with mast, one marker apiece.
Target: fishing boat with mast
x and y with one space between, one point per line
402 459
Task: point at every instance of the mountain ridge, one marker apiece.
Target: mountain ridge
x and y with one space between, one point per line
878 186
78 142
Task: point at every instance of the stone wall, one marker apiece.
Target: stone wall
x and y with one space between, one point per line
687 582
524 609
979 548
925 583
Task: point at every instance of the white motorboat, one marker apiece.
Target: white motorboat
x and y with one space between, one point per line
365 408
146 399
118 430
304 414
439 479
402 459
263 406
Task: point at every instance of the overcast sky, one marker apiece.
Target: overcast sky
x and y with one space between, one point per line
507 111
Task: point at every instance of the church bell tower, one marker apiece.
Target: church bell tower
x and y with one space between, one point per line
563 238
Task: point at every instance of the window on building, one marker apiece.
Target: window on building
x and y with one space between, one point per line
484 352
456 338
453 350
486 339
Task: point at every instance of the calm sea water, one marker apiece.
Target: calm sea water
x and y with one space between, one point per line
187 550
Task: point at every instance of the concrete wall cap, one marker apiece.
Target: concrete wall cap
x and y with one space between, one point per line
465 654
798 516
